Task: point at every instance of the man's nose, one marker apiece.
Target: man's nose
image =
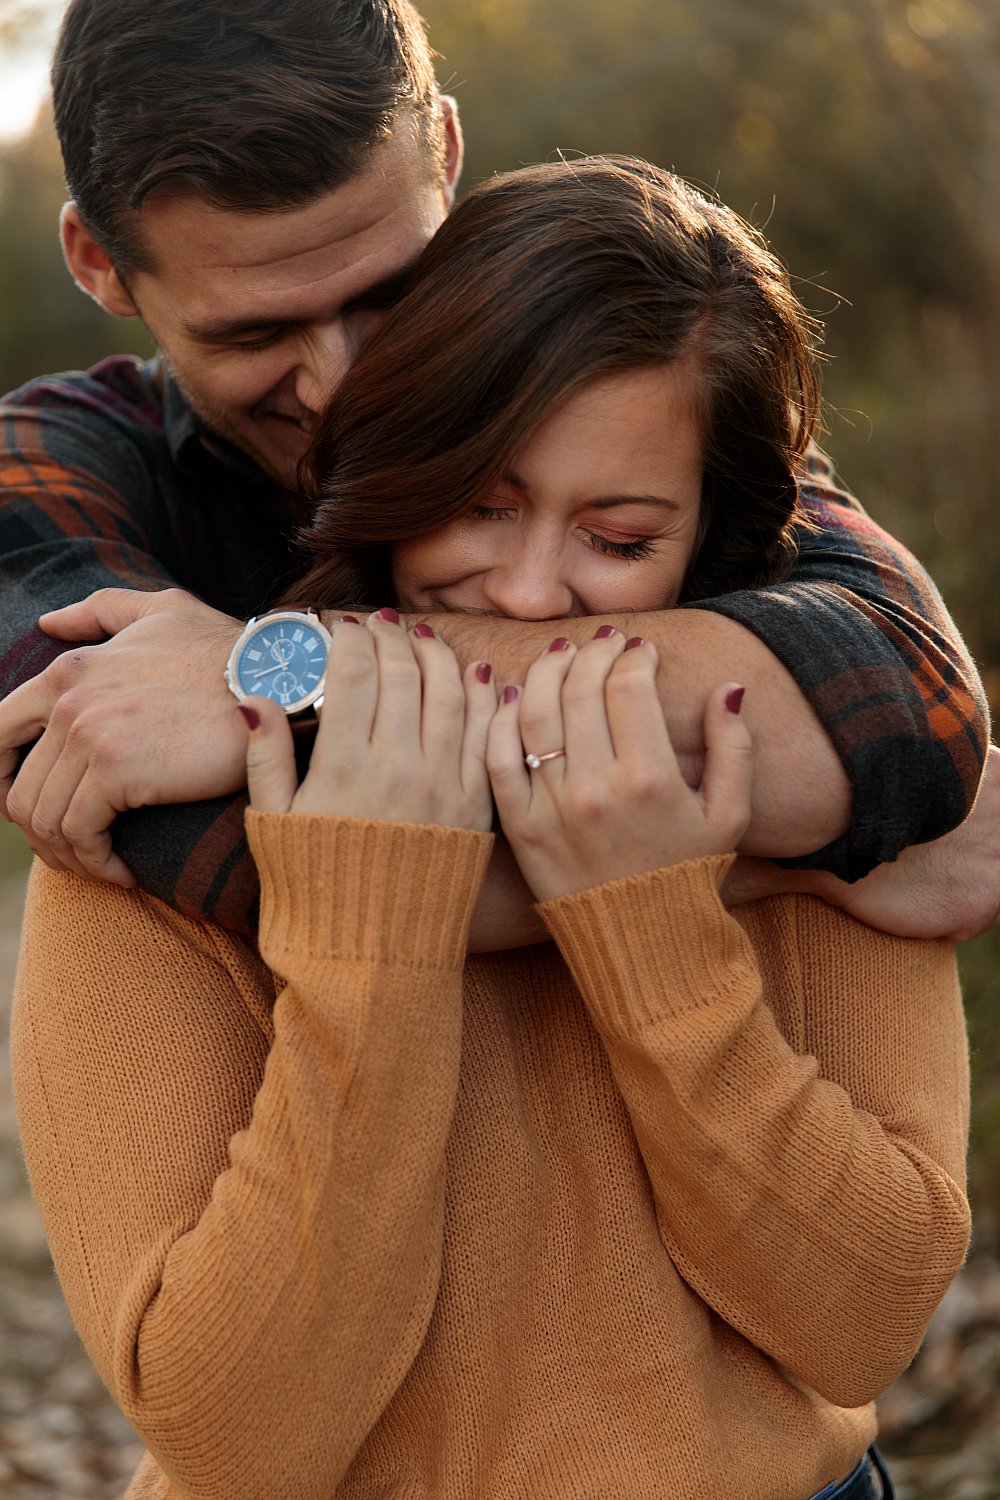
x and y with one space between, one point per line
324 357
530 586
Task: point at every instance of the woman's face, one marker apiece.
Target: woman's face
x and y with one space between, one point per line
597 514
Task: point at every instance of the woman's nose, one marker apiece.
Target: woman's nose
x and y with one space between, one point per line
529 586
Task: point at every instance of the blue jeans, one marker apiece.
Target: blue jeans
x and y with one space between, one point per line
859 1484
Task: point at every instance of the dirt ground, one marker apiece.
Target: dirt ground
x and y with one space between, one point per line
61 1437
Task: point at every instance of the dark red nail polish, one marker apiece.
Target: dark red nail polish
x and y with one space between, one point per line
390 614
560 644
603 631
349 620
423 631
734 699
509 694
250 714
484 671
636 640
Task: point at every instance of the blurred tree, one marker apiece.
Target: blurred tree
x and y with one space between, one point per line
21 23
46 322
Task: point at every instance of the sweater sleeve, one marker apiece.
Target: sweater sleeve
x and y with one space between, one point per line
801 1105
248 1230
864 632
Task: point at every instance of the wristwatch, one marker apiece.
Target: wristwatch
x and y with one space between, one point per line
281 656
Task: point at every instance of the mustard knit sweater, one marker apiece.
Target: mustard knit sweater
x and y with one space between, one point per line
654 1211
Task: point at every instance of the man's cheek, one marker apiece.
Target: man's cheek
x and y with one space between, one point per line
238 384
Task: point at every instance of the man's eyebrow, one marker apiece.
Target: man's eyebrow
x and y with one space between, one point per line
380 294
603 502
230 328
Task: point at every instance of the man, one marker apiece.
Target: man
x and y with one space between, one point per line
253 181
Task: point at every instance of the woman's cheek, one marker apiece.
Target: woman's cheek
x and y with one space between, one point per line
645 585
427 564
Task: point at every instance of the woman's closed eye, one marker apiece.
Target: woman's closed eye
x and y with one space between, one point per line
630 550
493 512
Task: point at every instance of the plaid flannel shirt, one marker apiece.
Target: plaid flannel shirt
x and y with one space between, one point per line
108 479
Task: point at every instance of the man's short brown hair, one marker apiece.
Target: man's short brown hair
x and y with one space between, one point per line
248 104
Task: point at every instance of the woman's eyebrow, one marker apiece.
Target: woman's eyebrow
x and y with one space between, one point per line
606 502
603 502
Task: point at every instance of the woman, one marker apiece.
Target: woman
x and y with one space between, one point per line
654 1211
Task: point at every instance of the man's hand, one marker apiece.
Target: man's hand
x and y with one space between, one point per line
947 889
143 717
950 888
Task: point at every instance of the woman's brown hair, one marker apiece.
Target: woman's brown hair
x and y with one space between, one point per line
538 282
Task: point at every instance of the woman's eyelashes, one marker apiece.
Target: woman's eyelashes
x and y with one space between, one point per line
631 551
493 512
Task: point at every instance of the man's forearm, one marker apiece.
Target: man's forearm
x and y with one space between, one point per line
801 796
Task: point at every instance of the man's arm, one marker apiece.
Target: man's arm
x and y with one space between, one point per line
194 859
948 888
95 494
801 796
80 510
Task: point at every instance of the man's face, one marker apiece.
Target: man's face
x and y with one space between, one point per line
260 314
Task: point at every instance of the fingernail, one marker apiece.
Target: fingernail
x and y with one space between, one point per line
560 644
250 714
734 699
603 631
484 671
388 613
635 640
349 620
423 631
509 694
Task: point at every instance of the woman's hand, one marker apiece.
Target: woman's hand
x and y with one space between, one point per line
615 803
402 735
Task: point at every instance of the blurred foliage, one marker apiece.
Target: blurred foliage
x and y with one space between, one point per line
45 322
14 852
863 137
21 23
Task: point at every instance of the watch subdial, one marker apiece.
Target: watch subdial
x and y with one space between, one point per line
285 684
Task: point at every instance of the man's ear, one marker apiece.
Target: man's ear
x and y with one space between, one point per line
454 146
90 266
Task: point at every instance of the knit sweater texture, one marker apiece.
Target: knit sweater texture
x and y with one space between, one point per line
652 1211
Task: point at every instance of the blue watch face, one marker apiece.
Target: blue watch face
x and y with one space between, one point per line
284 660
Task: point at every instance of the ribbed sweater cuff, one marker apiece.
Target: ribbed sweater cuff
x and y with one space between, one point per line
356 888
653 945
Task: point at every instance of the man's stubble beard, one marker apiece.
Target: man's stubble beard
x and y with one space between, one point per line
220 426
